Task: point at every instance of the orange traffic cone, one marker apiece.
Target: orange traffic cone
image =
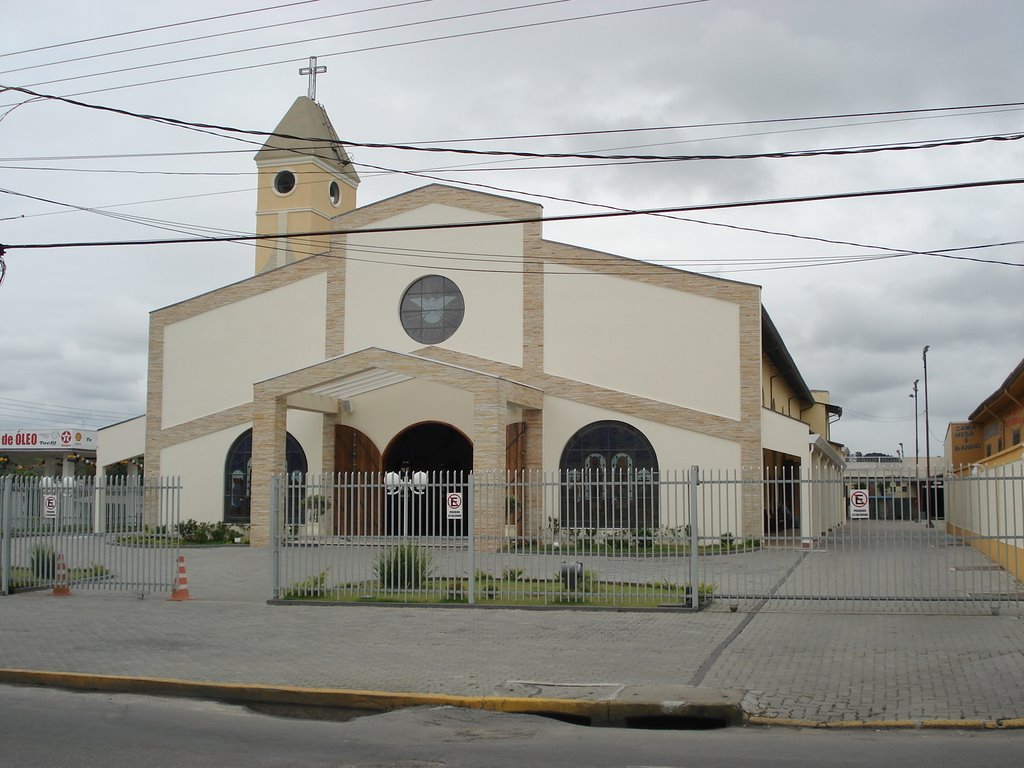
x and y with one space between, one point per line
60 586
179 587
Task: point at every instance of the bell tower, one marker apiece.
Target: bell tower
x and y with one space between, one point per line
305 179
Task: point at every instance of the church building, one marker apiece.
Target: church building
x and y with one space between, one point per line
439 330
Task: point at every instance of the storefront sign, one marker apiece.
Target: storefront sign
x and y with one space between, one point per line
48 439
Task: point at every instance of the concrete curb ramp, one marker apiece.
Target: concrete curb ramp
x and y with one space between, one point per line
633 706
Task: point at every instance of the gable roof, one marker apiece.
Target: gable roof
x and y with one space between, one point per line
774 348
308 120
1016 377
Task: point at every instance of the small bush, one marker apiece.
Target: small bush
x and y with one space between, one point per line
455 591
43 562
312 586
405 566
513 574
194 532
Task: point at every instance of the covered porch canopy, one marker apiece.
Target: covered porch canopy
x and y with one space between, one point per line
325 387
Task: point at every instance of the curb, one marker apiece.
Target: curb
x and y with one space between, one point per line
937 724
605 712
714 710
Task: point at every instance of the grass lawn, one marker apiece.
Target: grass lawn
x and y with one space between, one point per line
507 592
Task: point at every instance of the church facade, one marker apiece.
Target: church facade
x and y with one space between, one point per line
439 330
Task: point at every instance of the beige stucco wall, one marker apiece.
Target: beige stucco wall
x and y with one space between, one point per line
785 434
235 345
120 441
775 387
676 449
382 414
656 342
199 463
486 263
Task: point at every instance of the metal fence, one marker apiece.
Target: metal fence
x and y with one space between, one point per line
118 534
697 538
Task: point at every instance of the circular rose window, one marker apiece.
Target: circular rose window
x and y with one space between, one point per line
432 309
284 182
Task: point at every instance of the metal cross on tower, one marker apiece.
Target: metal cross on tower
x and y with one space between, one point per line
312 70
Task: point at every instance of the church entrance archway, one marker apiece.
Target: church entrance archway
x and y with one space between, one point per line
446 456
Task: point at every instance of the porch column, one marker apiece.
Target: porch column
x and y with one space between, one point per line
533 496
489 417
330 422
269 430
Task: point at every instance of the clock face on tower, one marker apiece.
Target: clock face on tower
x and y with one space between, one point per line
432 309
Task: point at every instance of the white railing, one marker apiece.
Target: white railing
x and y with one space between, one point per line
117 534
642 540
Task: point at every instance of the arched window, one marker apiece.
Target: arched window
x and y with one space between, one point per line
238 474
610 475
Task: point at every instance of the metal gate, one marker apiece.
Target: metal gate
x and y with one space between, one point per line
120 534
697 538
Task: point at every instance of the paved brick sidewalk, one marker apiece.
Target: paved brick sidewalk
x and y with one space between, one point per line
822 667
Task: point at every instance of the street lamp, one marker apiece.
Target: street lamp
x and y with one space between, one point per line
927 452
406 483
917 431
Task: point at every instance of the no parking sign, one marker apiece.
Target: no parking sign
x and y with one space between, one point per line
453 505
859 504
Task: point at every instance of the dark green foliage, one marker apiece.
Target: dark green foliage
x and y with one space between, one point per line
194 532
405 566
43 562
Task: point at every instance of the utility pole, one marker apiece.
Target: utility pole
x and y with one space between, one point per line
917 448
927 452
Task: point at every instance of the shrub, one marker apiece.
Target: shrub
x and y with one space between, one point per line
513 574
405 566
43 562
194 532
312 586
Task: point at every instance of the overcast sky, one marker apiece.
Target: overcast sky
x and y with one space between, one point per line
74 321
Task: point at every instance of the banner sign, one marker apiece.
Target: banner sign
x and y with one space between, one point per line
48 440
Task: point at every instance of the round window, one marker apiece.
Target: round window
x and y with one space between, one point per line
335 193
284 182
432 309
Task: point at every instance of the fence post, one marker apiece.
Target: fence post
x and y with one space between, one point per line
470 492
694 539
275 535
5 545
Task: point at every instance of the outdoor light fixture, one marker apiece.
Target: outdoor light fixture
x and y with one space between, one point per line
405 482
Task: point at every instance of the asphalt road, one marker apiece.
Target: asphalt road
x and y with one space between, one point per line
54 728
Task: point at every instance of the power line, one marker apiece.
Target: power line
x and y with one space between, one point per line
1012 106
210 36
268 46
541 219
835 151
7 402
439 38
154 29
996 107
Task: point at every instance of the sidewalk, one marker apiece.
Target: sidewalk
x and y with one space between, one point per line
824 668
